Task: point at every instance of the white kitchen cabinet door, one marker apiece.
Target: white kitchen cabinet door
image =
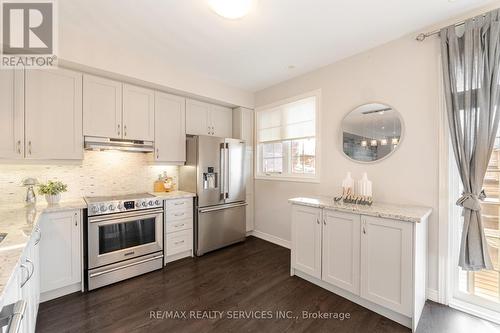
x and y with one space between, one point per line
341 250
170 128
102 107
198 118
53 114
11 114
138 113
221 120
243 125
386 263
60 254
306 240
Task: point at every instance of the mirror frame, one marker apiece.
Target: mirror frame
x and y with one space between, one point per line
401 138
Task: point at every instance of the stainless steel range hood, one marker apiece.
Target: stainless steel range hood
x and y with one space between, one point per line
138 146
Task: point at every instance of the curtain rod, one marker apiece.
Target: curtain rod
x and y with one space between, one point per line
422 36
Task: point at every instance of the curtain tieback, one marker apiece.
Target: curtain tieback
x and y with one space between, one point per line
471 201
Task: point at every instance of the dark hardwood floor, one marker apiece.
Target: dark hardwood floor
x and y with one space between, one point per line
253 277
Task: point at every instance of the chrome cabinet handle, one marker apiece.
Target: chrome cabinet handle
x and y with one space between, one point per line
32 268
76 219
180 242
118 129
364 230
28 277
19 147
179 203
179 225
29 147
324 222
157 153
125 130
39 235
317 220
179 214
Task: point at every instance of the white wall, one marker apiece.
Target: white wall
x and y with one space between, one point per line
403 74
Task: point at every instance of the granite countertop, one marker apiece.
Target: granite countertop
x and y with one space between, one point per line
391 211
174 195
19 222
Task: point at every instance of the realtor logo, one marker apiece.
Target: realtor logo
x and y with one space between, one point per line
27 34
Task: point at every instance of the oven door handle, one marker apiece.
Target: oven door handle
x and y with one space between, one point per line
120 216
111 270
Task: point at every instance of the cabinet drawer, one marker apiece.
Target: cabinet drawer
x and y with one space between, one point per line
179 225
176 204
176 215
180 241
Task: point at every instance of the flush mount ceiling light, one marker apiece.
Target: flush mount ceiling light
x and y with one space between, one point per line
231 9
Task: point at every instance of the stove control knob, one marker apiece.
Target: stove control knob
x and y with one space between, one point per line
111 207
137 204
119 207
151 203
144 204
157 202
95 209
103 208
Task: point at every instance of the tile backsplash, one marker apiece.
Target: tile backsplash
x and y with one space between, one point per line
100 173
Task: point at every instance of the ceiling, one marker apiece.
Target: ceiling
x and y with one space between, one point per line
254 52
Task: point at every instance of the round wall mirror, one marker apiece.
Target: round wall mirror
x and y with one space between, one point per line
371 132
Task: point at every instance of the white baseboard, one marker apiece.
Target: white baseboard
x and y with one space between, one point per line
432 295
49 295
270 238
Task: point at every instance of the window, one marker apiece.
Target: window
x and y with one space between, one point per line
287 148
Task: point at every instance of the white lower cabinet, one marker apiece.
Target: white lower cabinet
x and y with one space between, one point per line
60 253
178 229
25 284
386 263
341 249
306 240
376 262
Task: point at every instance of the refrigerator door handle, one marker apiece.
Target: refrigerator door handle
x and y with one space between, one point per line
226 171
222 171
207 210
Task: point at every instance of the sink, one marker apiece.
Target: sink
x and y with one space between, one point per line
2 236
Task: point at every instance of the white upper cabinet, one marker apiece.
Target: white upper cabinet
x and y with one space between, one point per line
243 125
138 113
341 250
386 263
170 128
306 240
197 118
102 107
208 119
221 120
11 114
53 114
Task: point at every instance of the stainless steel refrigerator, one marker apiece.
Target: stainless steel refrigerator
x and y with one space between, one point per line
214 170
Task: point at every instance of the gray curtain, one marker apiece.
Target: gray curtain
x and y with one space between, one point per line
471 58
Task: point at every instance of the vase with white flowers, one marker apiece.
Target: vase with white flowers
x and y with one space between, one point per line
52 191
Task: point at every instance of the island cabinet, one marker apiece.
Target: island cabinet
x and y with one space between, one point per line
377 262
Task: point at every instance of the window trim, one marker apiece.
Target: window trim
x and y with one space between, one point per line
289 177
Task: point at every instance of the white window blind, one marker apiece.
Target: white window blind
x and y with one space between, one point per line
296 120
286 139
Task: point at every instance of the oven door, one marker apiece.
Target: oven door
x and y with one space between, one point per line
123 236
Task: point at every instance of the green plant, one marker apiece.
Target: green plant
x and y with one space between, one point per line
52 188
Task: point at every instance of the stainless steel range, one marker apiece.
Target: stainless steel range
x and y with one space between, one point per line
124 237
